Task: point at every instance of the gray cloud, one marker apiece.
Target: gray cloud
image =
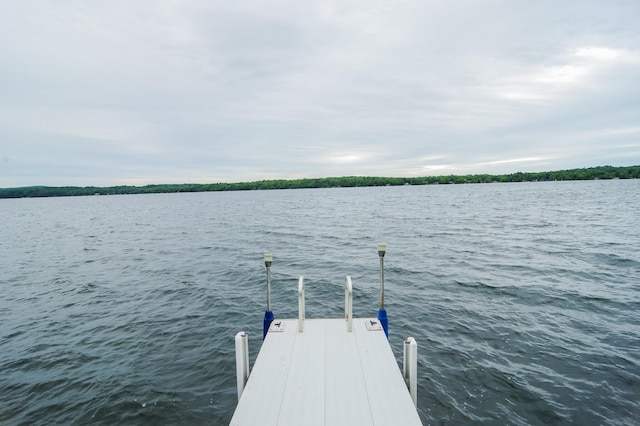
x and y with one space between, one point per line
154 92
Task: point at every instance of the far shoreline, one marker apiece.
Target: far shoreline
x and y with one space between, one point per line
592 173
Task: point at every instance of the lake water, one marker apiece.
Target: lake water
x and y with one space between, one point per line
524 298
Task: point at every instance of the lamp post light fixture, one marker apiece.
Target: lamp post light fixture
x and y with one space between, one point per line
382 312
268 314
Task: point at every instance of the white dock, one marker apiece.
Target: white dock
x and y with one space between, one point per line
326 371
326 375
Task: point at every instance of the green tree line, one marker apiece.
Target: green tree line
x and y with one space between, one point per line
592 173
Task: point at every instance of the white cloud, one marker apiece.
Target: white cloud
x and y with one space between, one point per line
436 167
604 54
516 160
349 158
162 91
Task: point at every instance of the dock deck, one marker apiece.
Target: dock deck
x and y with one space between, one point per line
326 375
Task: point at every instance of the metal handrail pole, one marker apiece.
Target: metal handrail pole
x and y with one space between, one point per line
348 303
301 313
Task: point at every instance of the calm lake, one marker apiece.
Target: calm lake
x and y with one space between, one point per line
524 298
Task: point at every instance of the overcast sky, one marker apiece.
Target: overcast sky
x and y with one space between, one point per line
137 92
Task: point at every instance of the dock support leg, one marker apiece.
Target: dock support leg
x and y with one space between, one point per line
242 361
410 367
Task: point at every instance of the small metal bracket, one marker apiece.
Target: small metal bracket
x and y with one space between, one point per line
373 325
277 326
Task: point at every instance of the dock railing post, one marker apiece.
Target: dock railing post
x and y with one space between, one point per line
410 367
301 304
348 303
382 312
268 314
242 361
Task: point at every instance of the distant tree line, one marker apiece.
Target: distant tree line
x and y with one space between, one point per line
592 173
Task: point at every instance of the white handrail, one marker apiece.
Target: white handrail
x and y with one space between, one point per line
410 367
301 304
348 303
242 361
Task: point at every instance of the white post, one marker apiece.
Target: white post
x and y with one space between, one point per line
301 304
242 361
348 303
410 367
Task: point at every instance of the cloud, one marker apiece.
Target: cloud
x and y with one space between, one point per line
516 160
163 91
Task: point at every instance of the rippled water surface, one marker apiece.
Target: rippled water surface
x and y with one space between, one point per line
524 298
